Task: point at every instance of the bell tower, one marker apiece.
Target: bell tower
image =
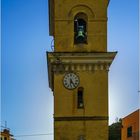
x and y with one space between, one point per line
78 68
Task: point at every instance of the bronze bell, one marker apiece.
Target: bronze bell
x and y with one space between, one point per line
80 34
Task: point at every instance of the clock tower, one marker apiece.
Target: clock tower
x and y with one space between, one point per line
78 68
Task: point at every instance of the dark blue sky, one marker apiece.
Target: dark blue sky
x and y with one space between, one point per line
27 101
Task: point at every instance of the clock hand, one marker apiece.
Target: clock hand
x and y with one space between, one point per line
71 82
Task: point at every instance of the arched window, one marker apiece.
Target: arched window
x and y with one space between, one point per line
80 98
80 28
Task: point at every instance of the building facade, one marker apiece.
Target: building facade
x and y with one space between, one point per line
130 126
78 68
5 135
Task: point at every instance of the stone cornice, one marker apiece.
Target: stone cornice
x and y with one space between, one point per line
80 61
81 118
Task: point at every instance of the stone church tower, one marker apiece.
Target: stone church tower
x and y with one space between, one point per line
78 68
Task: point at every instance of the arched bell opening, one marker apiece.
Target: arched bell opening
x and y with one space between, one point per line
80 29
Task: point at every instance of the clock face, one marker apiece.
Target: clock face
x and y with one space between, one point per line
71 81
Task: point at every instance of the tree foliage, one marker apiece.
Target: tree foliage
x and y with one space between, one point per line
115 130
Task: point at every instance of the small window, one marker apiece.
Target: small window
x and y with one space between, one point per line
81 137
129 131
80 100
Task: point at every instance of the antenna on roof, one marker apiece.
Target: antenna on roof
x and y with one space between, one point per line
5 124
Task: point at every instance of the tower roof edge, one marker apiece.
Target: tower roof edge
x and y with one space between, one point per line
51 16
